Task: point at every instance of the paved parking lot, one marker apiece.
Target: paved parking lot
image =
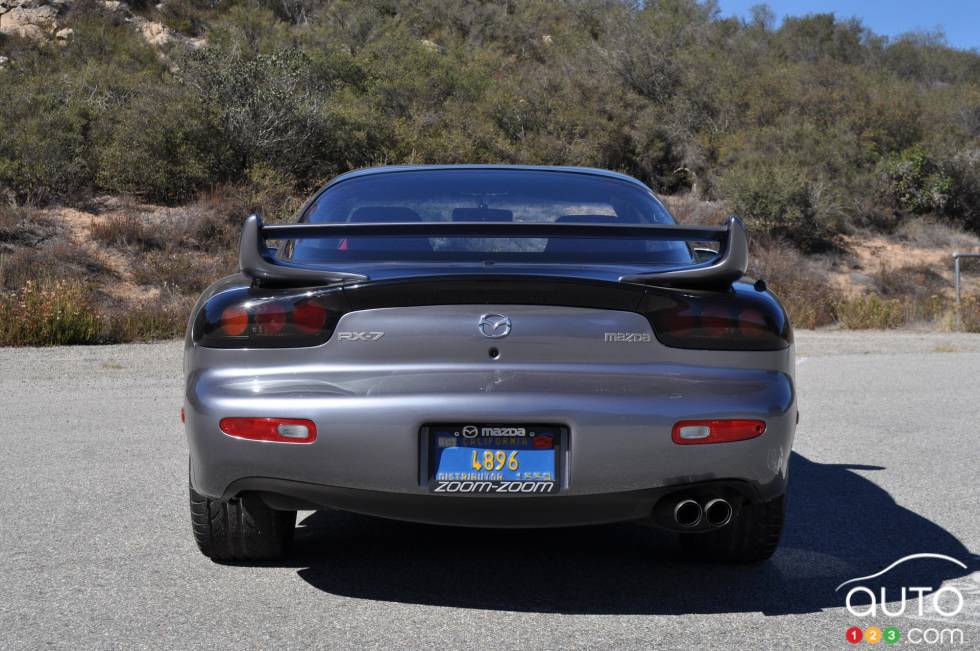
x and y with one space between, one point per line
96 550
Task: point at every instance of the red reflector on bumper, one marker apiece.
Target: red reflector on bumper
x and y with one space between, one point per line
696 432
276 430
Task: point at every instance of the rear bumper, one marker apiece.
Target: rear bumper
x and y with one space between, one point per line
620 454
560 510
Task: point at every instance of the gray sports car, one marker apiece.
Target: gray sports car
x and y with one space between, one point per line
490 346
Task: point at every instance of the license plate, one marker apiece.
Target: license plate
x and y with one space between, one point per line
494 459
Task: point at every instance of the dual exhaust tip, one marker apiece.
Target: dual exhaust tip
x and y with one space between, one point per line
716 513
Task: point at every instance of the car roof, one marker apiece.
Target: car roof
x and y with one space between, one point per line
394 169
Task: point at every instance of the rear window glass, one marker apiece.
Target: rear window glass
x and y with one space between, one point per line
497 196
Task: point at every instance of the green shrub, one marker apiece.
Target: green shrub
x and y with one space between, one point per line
871 311
62 312
964 171
161 147
914 182
102 42
187 16
969 314
272 193
49 314
270 108
43 150
778 202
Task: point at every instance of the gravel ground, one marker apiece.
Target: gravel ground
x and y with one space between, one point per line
96 550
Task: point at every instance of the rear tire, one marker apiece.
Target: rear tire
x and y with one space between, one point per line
240 529
752 535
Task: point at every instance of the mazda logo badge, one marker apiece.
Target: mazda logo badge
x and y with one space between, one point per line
494 326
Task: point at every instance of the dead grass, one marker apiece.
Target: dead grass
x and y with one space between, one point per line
118 271
688 210
213 221
186 271
58 260
802 284
9 217
25 226
903 296
914 280
928 232
126 273
127 229
163 318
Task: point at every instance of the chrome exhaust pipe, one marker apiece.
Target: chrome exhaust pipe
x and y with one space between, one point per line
718 512
687 513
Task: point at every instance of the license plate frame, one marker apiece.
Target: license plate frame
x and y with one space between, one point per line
430 434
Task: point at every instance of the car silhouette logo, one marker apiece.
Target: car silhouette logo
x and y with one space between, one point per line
494 326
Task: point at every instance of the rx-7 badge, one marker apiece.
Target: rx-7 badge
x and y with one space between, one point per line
360 336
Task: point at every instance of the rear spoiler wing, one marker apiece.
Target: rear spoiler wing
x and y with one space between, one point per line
257 261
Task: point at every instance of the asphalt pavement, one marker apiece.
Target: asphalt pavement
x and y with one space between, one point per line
96 548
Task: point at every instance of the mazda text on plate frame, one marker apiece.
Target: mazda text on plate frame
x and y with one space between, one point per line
489 346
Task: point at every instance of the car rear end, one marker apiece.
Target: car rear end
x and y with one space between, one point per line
492 379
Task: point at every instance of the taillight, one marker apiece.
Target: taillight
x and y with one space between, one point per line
259 318
739 318
234 320
310 315
696 432
270 319
275 430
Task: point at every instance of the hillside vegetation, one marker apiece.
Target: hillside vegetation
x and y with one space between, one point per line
822 135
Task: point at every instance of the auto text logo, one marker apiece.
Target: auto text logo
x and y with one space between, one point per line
939 610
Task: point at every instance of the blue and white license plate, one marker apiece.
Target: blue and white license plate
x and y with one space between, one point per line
494 459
